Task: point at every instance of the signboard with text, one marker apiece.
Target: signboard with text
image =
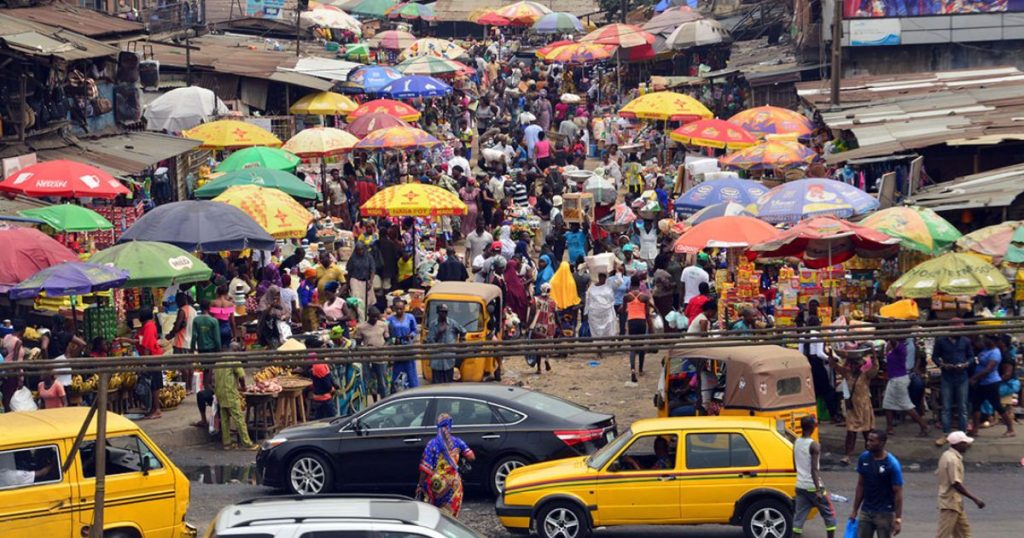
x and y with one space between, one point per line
873 9
264 9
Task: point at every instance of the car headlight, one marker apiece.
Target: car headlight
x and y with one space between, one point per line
271 443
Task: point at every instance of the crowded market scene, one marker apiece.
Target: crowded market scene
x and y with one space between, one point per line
374 268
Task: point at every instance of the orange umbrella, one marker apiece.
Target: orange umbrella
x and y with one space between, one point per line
770 154
765 120
724 232
523 13
577 53
620 35
391 107
713 133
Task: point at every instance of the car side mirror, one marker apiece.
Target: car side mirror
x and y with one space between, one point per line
615 467
357 427
146 464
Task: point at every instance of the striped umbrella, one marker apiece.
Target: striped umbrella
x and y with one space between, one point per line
432 65
917 228
558 23
993 241
620 35
523 13
490 18
397 138
397 109
392 40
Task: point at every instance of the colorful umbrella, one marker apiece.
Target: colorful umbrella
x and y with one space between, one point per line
261 177
770 154
716 191
576 53
70 278
724 209
805 198
432 46
397 138
992 241
222 134
765 120
665 106
714 133
392 40
276 212
953 273
724 232
490 18
63 179
366 124
917 228
183 108
69 218
523 13
200 226
698 33
26 252
370 79
546 49
413 86
319 142
670 19
620 35
374 8
411 11
413 200
273 158
825 241
430 65
558 23
323 104
153 265
397 109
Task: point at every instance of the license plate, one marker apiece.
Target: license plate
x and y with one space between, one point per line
609 437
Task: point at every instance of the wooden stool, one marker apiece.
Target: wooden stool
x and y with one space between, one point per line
259 415
291 407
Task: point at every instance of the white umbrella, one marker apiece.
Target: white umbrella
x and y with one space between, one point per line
183 108
329 18
698 33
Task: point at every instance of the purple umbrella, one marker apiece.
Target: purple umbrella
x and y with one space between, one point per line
70 278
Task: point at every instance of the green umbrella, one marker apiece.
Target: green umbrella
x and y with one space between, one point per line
275 158
917 228
153 265
374 8
262 177
69 218
953 273
355 51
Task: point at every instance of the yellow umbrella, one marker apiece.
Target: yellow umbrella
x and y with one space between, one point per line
223 134
276 212
413 200
323 104
668 106
320 142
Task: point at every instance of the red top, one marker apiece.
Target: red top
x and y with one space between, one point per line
365 190
149 343
695 306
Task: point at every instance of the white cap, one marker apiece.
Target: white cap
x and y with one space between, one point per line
957 437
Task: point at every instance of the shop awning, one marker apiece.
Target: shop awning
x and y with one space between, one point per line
42 40
123 155
994 188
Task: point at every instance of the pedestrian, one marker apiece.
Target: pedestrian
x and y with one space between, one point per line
443 331
478 241
402 329
824 382
544 324
440 482
860 416
695 305
878 502
953 354
810 490
373 333
600 307
638 320
704 321
51 392
452 269
986 382
227 381
897 389
148 344
691 277
361 270
952 517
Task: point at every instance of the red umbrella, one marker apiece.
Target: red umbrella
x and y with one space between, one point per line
826 241
63 179
26 252
724 232
364 125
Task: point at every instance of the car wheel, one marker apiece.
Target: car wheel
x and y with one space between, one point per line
767 518
309 474
562 520
501 471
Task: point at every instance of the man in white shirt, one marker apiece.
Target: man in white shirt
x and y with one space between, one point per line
459 161
692 277
477 241
530 135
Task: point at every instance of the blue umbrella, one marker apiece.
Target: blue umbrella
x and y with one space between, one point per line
415 86
70 278
724 209
716 191
200 226
370 79
794 201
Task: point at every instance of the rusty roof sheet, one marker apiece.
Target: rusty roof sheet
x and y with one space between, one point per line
78 19
232 54
994 188
42 40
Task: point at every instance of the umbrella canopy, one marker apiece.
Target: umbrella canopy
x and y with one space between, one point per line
392 40
320 142
665 106
489 18
411 11
26 252
200 226
273 158
370 79
374 8
331 18
70 278
576 53
413 86
558 23
953 273
397 138
805 198
670 19
993 241
153 265
182 108
394 108
366 124
917 228
724 232
698 33
260 177
620 35
413 200
69 218
63 179
276 212
770 154
523 13
724 209
717 191
764 120
432 46
714 133
826 241
430 65
323 104
222 134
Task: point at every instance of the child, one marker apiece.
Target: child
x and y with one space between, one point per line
324 386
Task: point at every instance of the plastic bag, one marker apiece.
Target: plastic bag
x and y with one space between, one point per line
285 330
214 423
658 324
22 400
851 529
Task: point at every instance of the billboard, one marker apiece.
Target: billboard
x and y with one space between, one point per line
870 9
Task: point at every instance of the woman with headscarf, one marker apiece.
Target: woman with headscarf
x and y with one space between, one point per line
272 312
563 291
440 483
544 273
544 324
542 108
600 308
470 195
508 246
270 275
516 296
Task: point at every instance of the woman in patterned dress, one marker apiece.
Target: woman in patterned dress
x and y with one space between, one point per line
440 483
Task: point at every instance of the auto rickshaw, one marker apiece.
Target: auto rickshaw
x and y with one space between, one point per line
757 380
475 307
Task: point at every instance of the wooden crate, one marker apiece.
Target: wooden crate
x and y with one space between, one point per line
578 206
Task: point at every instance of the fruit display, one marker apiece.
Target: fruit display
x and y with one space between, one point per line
266 380
171 396
125 381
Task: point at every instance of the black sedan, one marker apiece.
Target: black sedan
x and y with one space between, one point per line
380 447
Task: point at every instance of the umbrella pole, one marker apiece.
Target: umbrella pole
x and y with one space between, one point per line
74 315
323 182
831 287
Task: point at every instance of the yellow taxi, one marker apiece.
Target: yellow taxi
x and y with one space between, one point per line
662 471
146 495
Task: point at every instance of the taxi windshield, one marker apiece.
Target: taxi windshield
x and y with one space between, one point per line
599 459
466 314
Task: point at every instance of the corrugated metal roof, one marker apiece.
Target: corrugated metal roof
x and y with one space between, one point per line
121 155
299 79
43 40
78 19
994 188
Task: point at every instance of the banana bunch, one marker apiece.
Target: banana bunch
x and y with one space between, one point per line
170 396
115 382
129 379
270 372
89 385
76 383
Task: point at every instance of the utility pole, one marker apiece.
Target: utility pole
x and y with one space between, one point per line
623 8
837 51
188 57
300 6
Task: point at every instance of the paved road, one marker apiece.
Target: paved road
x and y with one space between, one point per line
1000 487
